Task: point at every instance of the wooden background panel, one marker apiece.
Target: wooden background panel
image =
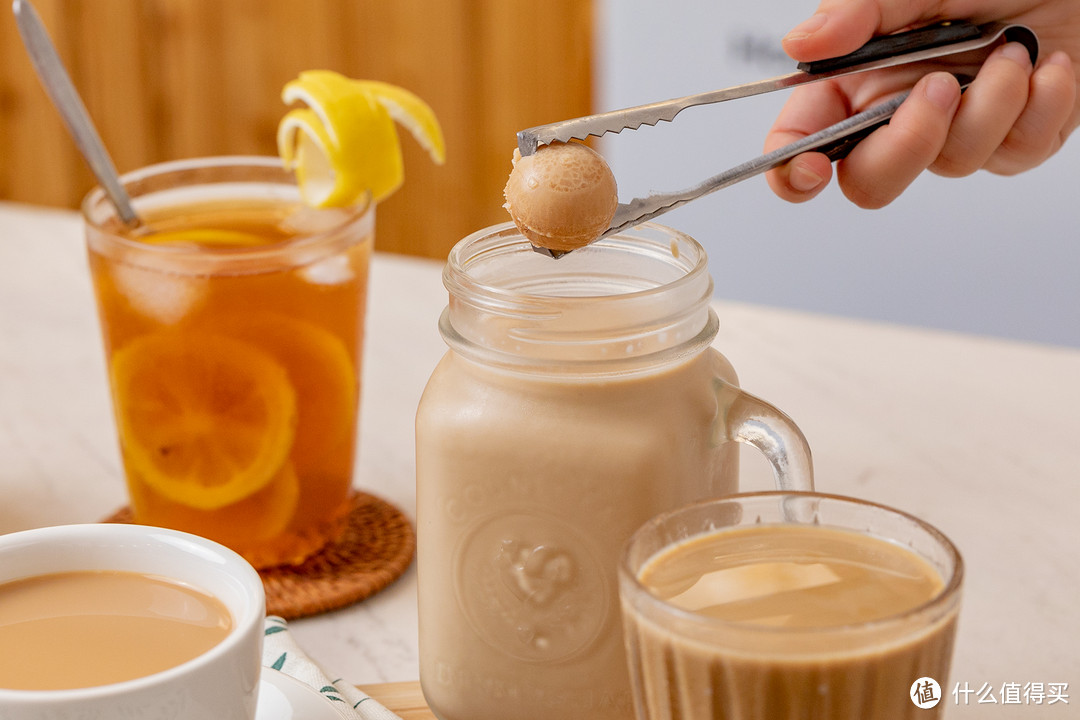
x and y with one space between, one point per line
168 79
36 159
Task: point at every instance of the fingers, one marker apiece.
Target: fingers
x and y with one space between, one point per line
1012 117
830 32
1044 122
883 165
801 179
838 27
880 167
841 26
987 113
809 109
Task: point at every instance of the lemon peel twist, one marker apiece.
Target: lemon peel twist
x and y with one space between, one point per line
343 145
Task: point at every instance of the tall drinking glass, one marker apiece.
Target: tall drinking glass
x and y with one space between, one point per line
233 322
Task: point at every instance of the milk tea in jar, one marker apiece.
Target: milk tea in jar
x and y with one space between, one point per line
579 397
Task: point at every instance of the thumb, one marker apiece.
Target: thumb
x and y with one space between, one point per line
842 26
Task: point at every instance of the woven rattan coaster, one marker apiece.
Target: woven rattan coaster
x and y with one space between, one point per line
376 547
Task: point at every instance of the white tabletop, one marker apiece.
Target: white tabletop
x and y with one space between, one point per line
979 436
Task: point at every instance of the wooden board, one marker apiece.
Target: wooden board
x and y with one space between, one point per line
166 80
404 698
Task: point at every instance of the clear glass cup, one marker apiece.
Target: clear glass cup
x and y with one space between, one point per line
233 324
693 664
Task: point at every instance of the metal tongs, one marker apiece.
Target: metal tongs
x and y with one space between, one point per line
913 46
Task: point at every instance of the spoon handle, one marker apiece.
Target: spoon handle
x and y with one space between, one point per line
66 99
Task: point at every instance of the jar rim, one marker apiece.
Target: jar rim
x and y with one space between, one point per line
628 303
505 239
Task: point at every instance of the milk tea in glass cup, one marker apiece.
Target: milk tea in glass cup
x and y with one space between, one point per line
578 398
789 605
233 322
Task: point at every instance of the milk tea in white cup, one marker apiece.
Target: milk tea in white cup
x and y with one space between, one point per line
196 576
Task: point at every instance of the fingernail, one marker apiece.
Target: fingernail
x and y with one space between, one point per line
803 178
1059 57
807 27
1017 53
942 90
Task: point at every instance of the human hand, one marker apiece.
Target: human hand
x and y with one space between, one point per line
1012 117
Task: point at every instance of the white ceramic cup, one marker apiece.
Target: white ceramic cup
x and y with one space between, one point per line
222 683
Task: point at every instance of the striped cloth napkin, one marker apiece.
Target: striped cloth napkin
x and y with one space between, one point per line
280 652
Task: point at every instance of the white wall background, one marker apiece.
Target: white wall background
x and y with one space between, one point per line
983 254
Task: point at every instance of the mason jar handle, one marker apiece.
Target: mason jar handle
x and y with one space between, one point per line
748 419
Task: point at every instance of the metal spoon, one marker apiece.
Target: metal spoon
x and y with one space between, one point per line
54 77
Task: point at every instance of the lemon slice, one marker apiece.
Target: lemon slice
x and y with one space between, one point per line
204 237
205 420
344 146
257 518
320 370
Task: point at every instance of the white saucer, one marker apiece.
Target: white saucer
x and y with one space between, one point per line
282 697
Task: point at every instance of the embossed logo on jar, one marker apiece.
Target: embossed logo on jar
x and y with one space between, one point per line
531 586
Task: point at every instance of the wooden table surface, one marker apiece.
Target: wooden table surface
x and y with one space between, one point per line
979 436
404 698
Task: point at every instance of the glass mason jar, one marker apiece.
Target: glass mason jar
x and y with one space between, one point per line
579 397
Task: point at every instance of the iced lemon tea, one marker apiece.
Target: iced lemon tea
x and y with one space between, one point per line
233 324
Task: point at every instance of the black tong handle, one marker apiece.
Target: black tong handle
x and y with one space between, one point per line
931 36
839 149
878 48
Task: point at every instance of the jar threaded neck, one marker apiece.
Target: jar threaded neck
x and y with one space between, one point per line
624 303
